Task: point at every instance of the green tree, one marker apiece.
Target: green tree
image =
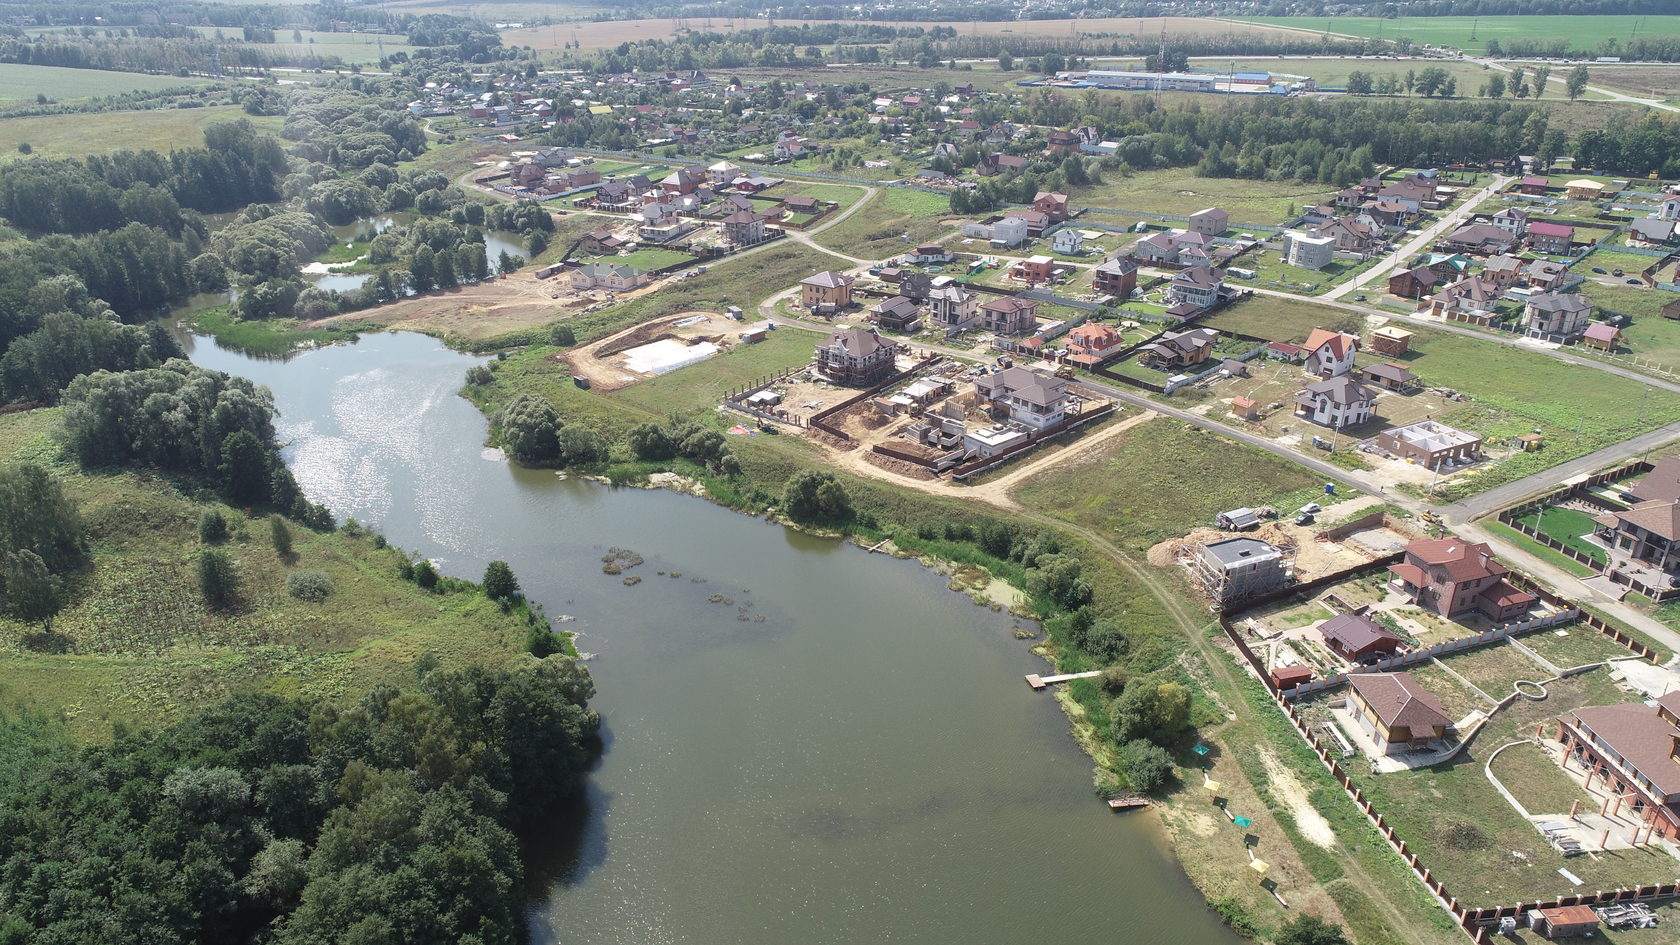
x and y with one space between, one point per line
218 579
1495 87
1148 766
1152 709
1576 84
244 468
499 582
281 536
813 496
1061 579
562 336
1359 83
530 429
32 592
35 515
1542 74
650 441
212 527
1307 929
425 575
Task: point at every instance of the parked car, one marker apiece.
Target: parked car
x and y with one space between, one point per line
1305 518
1600 270
1360 297
1615 272
1634 282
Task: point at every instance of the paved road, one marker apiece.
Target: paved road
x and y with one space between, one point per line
1421 242
1509 494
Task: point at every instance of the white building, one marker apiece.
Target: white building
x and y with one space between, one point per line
1068 242
1308 252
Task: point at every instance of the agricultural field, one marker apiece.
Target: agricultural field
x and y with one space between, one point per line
145 649
161 129
1179 192
1134 493
1471 34
22 83
352 48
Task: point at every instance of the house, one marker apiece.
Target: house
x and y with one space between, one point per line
1553 239
619 195
1513 220
684 180
1359 639
1475 297
1389 376
1662 482
801 205
1037 401
1234 569
1336 403
1651 232
788 149
1061 142
1602 336
1534 186
1037 220
1454 578
601 240
1583 189
662 222
1009 315
1033 269
743 228
897 314
1068 242
855 357
1198 286
723 173
928 254
1391 341
1330 353
1545 275
1052 204
912 284
1009 232
999 163
1307 251
1648 533
1481 239
1116 276
1556 315
952 308
1091 342
1176 350
1413 283
1397 712
1629 749
607 275
1210 222
1670 209
1349 236
1431 445
1285 351
1245 408
1503 270
826 292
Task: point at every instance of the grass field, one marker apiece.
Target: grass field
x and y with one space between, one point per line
1578 646
162 129
353 48
1568 527
839 193
703 384
19 82
1179 192
1280 319
1134 490
1538 550
1333 73
145 648
876 231
1471 34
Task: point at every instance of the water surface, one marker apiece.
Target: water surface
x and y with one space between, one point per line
836 750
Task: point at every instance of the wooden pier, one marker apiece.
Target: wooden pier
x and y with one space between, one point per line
1038 682
1127 803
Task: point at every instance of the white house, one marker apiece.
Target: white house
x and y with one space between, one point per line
1307 251
1068 242
1009 232
1336 403
1329 353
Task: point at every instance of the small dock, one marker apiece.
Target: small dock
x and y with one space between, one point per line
1038 682
1127 803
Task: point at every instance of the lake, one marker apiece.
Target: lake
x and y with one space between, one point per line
805 743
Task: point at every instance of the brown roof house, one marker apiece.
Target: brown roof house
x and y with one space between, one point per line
1397 712
1052 204
1648 533
1483 239
1413 283
826 292
1330 353
1454 578
856 357
1662 482
1198 286
1389 376
1631 750
1176 350
1210 222
1556 316
1116 276
1034 400
1359 639
1336 403
1009 315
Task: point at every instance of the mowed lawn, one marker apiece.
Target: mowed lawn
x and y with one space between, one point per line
159 129
703 385
1179 192
21 83
1137 489
1471 33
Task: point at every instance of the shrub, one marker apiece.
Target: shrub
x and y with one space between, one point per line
816 496
212 527
312 586
218 580
1148 766
280 535
499 582
425 575
562 336
478 375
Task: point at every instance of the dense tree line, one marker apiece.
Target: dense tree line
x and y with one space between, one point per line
349 130
292 822
1650 145
77 334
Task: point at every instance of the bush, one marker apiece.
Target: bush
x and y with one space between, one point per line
1158 711
499 582
313 586
1148 766
1060 579
478 375
218 580
1310 930
530 430
281 536
425 575
562 336
212 527
816 496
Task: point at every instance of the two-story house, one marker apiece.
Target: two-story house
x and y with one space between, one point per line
1009 315
1454 578
1052 204
1556 316
743 228
856 357
1553 239
826 292
952 308
1198 286
1210 222
1337 403
1648 533
1631 752
1329 353
1116 276
1177 350
1092 341
1036 401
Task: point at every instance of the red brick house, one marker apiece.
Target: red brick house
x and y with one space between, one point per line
1090 342
1633 751
1396 711
1061 142
1453 578
1116 277
1051 204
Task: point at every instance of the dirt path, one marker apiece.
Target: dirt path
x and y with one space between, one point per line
1287 789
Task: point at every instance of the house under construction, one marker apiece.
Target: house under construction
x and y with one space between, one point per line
1238 569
